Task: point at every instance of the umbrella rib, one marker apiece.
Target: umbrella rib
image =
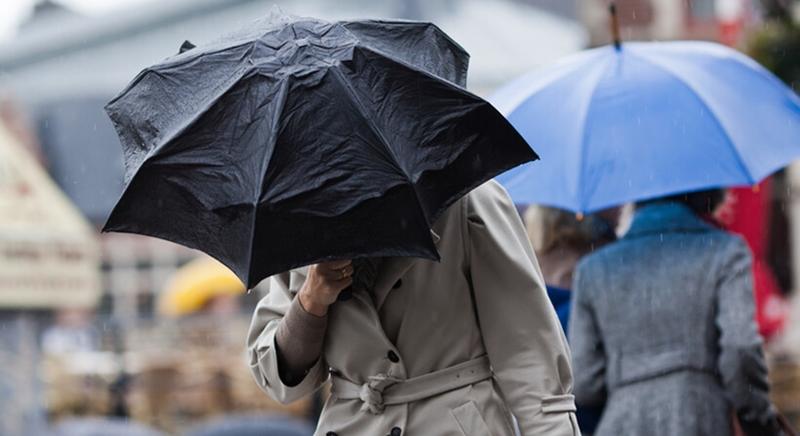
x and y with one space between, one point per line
370 122
717 121
174 63
404 23
584 138
157 150
414 68
283 93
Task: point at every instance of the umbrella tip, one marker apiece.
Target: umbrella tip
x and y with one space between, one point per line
612 10
186 46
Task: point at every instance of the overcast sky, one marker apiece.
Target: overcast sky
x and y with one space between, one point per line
14 11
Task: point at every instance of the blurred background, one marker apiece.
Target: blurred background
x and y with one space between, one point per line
109 328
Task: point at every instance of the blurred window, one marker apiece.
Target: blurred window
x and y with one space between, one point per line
635 12
702 10
145 304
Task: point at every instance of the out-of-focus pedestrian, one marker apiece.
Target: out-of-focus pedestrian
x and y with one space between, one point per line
561 238
447 348
663 330
72 332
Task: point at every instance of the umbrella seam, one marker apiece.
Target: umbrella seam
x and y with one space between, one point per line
370 122
713 116
414 68
157 149
175 63
284 95
423 72
401 22
508 109
585 136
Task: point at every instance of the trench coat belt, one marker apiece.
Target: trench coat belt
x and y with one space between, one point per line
383 390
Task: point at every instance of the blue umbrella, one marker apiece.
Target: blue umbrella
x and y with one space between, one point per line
646 120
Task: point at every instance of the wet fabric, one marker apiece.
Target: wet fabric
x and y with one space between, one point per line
295 140
645 121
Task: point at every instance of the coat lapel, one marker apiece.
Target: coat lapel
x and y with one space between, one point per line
391 270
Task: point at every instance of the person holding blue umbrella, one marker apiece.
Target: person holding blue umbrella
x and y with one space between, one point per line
662 327
629 122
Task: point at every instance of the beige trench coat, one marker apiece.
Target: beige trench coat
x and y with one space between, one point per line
485 298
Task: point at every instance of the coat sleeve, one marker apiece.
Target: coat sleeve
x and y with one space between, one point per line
261 343
522 335
588 353
741 360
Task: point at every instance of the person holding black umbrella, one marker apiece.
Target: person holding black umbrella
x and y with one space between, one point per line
296 142
430 348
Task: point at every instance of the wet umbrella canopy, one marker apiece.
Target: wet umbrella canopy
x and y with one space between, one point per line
645 120
296 140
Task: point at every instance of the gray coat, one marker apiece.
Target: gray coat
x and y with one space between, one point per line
663 331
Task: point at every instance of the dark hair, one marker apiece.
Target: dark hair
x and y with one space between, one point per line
700 202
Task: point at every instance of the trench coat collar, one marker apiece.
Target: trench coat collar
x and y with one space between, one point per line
391 270
667 217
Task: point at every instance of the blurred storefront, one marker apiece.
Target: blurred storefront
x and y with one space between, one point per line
109 352
50 253
64 66
49 262
669 19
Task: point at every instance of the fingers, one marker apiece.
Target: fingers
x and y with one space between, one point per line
338 282
343 284
336 271
324 282
336 264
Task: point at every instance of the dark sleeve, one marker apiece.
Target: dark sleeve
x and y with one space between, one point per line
299 342
262 341
741 360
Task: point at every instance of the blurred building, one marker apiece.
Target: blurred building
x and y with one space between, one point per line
665 19
48 252
64 66
49 261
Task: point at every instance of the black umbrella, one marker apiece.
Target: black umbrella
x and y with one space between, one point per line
296 141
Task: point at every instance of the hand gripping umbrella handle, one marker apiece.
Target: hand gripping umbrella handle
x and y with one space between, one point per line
363 270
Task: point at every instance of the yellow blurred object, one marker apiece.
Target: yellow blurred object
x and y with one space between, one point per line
195 284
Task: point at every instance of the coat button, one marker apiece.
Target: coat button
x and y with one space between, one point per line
397 284
396 432
393 356
331 433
